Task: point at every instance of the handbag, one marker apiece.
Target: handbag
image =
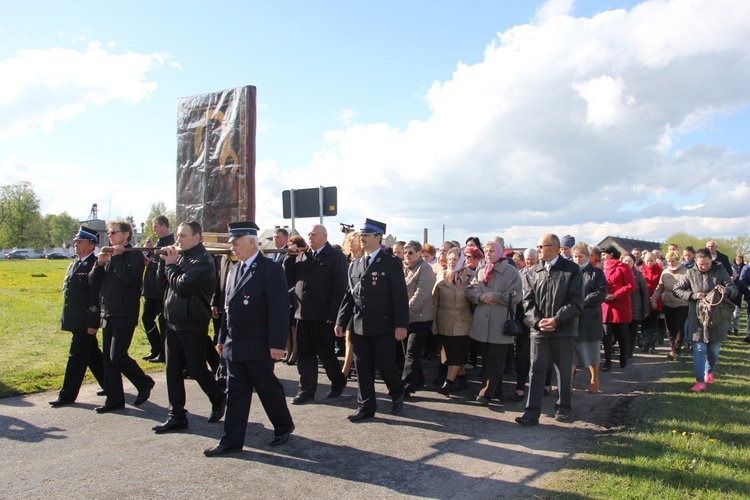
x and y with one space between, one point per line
512 327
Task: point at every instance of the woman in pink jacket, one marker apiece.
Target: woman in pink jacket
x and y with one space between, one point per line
616 311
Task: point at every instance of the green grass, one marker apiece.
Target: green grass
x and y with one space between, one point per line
679 444
33 349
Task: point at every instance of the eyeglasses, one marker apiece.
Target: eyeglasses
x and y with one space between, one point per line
110 233
409 253
542 246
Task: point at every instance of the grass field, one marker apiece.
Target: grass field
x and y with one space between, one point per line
677 444
33 350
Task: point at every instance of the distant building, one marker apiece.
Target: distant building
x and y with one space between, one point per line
626 245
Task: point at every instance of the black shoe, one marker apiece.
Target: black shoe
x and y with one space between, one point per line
220 449
300 400
60 402
360 415
106 408
279 440
157 359
173 424
101 393
515 397
607 366
334 393
218 411
447 387
397 404
483 400
143 396
526 421
462 383
561 416
149 357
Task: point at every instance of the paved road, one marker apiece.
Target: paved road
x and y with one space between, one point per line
437 447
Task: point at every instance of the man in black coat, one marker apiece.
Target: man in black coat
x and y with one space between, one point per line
80 316
252 338
153 297
377 299
118 274
188 278
319 278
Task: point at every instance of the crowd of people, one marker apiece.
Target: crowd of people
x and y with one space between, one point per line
478 308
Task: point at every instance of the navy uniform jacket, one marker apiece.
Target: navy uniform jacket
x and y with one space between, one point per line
376 296
80 300
257 312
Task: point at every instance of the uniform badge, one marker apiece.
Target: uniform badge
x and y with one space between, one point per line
246 297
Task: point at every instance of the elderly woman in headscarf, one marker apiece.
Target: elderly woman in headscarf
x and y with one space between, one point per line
453 320
495 289
420 280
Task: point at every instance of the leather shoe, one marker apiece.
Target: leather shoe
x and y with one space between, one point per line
143 396
334 393
157 359
149 357
101 393
561 416
106 408
220 449
397 404
300 400
360 415
279 440
60 402
526 421
173 424
218 411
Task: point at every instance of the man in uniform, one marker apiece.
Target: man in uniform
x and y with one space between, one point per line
153 297
252 338
319 278
188 278
552 300
377 299
118 274
80 316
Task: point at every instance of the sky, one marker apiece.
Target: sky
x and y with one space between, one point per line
592 118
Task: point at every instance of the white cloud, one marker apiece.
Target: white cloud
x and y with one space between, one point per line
52 85
567 123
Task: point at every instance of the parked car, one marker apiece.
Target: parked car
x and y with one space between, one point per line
56 255
18 254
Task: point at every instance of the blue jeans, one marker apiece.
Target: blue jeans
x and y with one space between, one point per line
705 357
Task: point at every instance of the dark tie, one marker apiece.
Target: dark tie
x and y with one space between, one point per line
367 261
240 274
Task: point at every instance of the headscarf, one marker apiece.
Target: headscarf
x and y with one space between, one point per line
455 275
499 255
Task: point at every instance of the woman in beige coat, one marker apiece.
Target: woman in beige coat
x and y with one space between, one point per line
494 289
453 319
420 280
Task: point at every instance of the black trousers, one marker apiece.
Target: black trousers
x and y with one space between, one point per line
153 311
523 358
411 350
621 333
315 339
117 362
84 353
559 351
371 351
675 318
243 377
493 361
188 349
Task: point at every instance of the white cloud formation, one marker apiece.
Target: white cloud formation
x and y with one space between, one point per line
68 81
566 125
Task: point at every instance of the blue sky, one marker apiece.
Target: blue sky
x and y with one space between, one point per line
513 118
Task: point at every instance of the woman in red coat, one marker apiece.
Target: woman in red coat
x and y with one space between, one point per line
616 311
652 270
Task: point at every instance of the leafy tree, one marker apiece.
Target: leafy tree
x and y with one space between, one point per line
21 223
729 246
158 208
59 228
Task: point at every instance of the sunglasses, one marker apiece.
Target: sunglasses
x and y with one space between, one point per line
408 252
110 233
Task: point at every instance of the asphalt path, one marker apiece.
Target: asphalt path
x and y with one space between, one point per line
437 447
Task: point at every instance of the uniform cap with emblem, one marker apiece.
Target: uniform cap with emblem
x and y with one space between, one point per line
85 233
240 229
372 227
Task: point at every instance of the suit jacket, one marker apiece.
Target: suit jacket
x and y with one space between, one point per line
319 281
375 297
80 300
119 282
256 309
